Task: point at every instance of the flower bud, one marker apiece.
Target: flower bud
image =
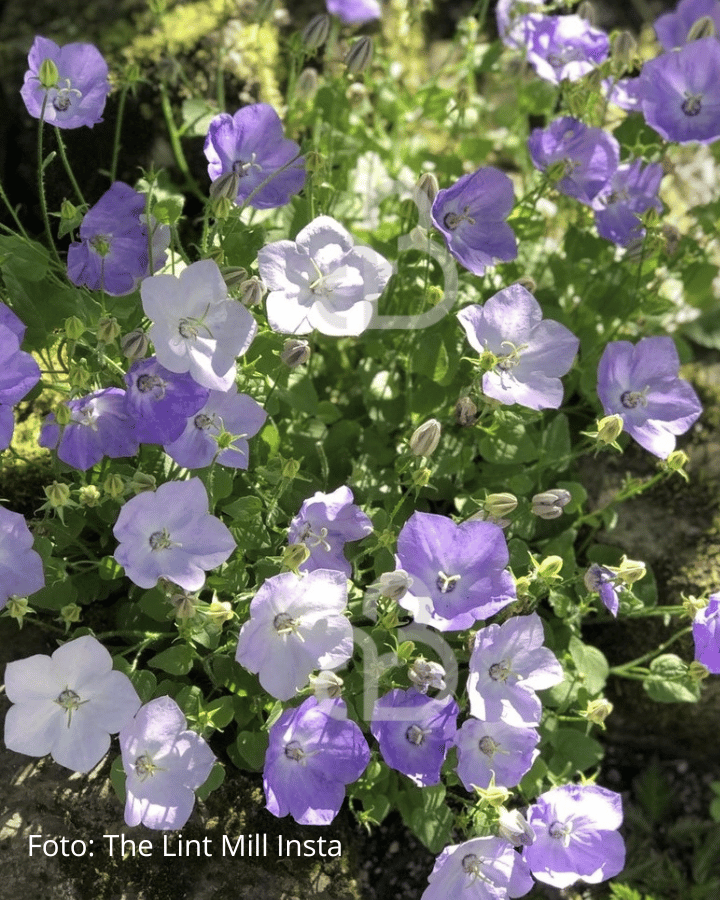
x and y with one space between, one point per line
18 608
134 345
425 191
631 570
597 711
307 84
499 505
233 275
586 11
513 826
225 187
326 685
140 482
89 495
316 32
677 461
394 585
425 438
221 208
421 478
70 614
114 485
492 795
425 675
692 605
528 283
48 74
290 468
550 568
63 414
58 495
74 328
697 671
293 556
251 291
108 329
295 353
79 374
609 429
549 504
219 611
703 28
623 50
184 606
359 56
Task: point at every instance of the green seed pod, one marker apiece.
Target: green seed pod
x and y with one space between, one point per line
74 328
108 330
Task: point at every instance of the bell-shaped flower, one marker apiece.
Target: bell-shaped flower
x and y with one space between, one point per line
565 48
706 634
631 191
494 751
483 868
19 373
21 569
672 28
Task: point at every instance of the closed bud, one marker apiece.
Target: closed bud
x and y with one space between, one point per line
623 50
134 345
394 585
221 208
108 329
425 191
68 211
492 795
597 711
48 74
587 11
18 608
74 328
295 352
290 469
466 412
225 187
693 605
513 826
703 28
549 504
528 283
550 568
425 675
425 438
114 485
631 570
141 482
183 606
89 495
307 84
359 56
316 32
251 291
326 685
233 276
79 374
499 505
219 611
70 614
63 414
697 671
58 495
293 556
609 429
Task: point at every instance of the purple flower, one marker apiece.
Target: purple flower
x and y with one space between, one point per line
325 523
169 533
67 704
225 411
484 868
196 327
322 280
623 93
680 93
114 250
354 12
471 217
508 665
531 353
99 426
706 634
603 581
414 732
641 385
631 191
458 572
253 145
565 47
494 750
160 402
165 763
78 97
576 835
314 751
297 625
19 373
21 570
590 156
11 321
515 21
672 28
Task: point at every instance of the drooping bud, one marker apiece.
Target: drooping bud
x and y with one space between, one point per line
316 32
359 56
425 675
48 74
500 505
394 585
74 328
514 827
704 27
295 352
307 84
251 291
233 275
425 191
134 345
466 412
425 438
609 429
326 685
549 504
108 329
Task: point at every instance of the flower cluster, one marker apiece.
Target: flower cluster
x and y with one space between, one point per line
19 374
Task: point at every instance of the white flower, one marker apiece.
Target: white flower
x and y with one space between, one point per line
196 327
322 281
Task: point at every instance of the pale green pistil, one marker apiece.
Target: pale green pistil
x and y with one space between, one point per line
242 168
191 326
100 244
285 624
453 220
70 701
160 540
633 399
446 584
145 768
63 95
560 831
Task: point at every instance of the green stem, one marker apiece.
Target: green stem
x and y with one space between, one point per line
68 168
623 670
176 145
118 130
12 212
41 183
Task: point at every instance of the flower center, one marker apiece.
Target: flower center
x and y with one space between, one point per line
69 700
472 864
446 584
63 96
453 220
285 624
152 383
310 539
560 831
190 326
160 540
564 56
416 735
87 415
510 360
488 746
692 104
100 244
144 767
294 750
500 671
633 399
203 422
242 168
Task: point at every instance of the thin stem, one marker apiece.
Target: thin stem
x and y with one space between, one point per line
68 168
12 212
118 131
176 145
41 182
623 670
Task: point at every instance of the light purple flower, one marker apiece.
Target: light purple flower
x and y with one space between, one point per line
603 581
508 665
160 402
471 217
640 384
225 411
414 732
458 572
623 92
252 144
325 523
78 97
67 704
114 250
297 625
576 835
19 373
494 750
11 321
165 763
354 12
590 156
21 569
516 21
672 28
565 47
196 327
169 533
531 352
680 93
484 868
314 751
706 634
322 280
99 426
631 191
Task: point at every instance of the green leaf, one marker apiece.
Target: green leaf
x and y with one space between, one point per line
669 681
556 444
591 665
426 814
26 260
513 442
249 749
213 782
118 778
144 683
177 660
574 749
109 570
